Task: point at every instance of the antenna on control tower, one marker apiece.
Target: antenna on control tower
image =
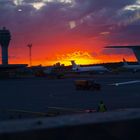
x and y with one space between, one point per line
30 53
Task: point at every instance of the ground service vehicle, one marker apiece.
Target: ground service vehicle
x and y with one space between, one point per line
87 85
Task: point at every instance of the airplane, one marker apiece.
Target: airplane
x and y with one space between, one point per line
77 68
136 51
134 68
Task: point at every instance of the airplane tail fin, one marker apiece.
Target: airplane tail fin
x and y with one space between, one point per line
125 62
74 65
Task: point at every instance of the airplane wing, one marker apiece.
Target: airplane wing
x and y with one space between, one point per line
127 46
135 48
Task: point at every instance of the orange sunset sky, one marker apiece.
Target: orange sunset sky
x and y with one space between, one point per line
65 30
81 53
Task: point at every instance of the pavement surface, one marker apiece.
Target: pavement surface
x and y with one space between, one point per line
37 94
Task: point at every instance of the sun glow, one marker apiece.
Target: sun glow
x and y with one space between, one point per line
81 57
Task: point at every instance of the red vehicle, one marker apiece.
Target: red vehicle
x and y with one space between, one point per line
87 85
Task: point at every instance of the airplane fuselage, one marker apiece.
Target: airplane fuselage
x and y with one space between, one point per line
77 68
132 67
86 69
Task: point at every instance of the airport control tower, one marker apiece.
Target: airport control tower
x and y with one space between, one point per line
5 38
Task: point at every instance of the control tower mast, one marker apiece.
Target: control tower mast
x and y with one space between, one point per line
5 38
30 53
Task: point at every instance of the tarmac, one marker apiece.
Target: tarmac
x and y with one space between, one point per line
39 94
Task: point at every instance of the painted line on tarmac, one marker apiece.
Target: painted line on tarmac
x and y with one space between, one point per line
125 83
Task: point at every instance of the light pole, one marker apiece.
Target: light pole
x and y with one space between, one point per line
30 53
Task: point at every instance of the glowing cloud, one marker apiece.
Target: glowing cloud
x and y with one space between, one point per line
105 33
133 7
38 5
18 2
130 20
65 1
72 24
81 57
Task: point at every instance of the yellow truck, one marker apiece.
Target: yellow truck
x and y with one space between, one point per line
87 85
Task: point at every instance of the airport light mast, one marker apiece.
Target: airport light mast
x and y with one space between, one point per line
30 53
5 38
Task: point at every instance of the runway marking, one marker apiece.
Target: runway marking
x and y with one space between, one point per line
63 109
126 83
24 111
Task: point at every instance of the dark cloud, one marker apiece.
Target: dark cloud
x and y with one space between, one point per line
125 35
31 1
